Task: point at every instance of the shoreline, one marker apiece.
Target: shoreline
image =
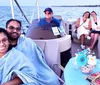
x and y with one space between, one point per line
78 6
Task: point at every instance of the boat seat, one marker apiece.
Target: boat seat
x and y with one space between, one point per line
61 79
59 17
51 45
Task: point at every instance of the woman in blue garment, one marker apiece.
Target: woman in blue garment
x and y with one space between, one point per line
15 69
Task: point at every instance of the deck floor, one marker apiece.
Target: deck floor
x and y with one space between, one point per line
75 47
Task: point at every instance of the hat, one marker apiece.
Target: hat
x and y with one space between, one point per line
49 10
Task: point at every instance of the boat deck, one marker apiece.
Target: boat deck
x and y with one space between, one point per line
75 47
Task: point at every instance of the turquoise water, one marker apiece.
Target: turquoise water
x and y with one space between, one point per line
66 13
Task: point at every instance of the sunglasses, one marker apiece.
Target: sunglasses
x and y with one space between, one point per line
4 40
47 13
14 28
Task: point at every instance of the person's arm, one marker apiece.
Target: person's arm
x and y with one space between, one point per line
77 23
55 22
15 81
89 25
98 27
98 24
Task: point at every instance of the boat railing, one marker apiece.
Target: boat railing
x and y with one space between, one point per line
61 79
22 11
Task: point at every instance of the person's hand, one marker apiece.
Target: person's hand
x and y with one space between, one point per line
76 26
15 81
4 84
98 27
85 27
75 30
84 19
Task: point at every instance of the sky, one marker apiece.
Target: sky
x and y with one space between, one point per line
52 2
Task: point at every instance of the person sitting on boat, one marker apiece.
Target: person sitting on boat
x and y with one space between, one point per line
49 21
45 74
83 26
15 67
95 29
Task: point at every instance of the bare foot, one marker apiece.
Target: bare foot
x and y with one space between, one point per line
91 47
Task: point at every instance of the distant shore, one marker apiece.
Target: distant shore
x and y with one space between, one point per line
78 6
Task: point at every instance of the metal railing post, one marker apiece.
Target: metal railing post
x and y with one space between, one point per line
12 9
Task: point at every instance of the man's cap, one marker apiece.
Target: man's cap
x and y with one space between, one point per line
49 10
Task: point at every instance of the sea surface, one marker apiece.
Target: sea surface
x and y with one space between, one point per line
67 13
